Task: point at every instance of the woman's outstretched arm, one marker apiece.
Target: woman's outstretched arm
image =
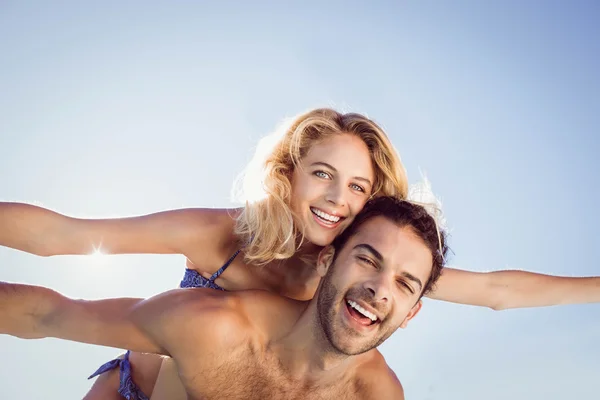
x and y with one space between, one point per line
44 232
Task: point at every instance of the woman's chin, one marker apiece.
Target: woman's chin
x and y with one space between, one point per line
320 239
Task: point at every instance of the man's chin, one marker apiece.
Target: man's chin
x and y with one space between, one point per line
353 348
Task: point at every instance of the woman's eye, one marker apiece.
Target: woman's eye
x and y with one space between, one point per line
322 174
357 187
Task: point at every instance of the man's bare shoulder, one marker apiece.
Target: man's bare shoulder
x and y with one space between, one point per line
257 308
209 311
269 312
377 380
387 386
201 326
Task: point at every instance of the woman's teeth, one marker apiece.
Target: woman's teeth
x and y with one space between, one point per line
323 215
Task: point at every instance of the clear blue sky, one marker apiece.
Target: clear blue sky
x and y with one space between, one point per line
112 110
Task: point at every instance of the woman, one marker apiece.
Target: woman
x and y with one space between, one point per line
316 173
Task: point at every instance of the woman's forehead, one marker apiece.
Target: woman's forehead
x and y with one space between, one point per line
343 152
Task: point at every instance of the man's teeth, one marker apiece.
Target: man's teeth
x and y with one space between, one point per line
361 310
324 215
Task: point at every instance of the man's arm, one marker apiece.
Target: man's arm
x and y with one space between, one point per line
175 323
32 312
500 290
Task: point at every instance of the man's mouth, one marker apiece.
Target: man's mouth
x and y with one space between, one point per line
325 218
360 314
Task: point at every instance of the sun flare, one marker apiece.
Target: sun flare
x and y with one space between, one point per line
97 252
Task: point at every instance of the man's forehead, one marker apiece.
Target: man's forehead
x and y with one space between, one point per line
378 229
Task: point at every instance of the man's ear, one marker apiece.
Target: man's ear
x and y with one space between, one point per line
324 260
413 312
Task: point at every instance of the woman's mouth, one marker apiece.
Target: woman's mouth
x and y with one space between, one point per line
326 219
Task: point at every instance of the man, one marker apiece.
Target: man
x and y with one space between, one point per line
258 345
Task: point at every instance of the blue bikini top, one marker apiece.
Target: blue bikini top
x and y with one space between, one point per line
192 278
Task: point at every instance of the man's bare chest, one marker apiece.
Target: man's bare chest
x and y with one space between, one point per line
262 377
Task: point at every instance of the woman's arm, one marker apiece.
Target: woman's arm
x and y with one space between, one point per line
43 232
500 290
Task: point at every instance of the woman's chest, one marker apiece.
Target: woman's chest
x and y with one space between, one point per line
289 280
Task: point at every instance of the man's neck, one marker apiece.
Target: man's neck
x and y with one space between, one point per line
295 277
306 353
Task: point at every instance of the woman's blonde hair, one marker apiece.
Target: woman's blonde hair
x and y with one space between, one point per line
266 225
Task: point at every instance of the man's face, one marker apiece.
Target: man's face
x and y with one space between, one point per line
373 287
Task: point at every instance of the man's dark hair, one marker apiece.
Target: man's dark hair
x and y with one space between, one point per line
403 214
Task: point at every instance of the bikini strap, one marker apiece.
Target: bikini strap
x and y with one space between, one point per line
224 267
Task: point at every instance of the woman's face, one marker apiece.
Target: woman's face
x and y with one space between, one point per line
332 184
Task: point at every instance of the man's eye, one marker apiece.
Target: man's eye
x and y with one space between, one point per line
405 285
367 261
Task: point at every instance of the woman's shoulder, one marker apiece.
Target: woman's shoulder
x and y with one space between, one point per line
214 238
211 223
211 217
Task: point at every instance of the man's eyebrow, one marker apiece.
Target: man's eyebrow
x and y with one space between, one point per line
371 250
331 167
